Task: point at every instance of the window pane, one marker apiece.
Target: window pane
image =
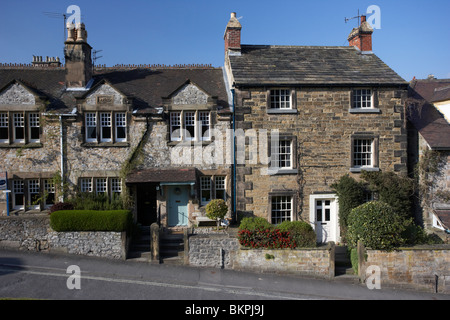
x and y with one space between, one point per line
280 99
33 189
4 124
19 127
281 209
220 187
189 125
205 188
175 126
101 185
362 152
121 124
105 123
205 125
91 127
86 185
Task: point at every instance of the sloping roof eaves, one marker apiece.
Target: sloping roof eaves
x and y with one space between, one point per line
309 65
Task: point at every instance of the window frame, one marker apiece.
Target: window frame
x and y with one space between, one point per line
374 157
105 123
34 189
178 120
357 107
273 151
33 123
292 210
212 188
272 92
18 188
19 124
101 127
4 124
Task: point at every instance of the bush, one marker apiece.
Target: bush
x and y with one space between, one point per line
93 201
89 220
216 209
393 189
350 194
254 223
301 232
61 206
377 225
266 238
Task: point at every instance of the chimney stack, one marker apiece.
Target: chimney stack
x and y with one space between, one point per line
78 57
232 35
361 37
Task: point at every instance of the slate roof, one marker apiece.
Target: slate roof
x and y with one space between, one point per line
309 65
430 123
162 175
147 86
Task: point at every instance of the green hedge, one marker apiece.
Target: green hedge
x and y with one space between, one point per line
90 220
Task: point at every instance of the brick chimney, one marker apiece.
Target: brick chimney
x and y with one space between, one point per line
232 35
78 57
361 37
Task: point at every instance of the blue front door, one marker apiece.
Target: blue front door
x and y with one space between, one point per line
178 205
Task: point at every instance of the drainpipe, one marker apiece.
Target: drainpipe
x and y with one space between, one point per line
234 157
61 149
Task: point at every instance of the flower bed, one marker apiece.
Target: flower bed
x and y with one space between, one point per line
266 239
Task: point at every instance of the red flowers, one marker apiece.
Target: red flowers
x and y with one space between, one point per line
266 238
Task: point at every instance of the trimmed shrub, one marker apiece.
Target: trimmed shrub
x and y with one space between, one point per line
61 206
302 233
254 223
89 220
377 225
351 195
216 209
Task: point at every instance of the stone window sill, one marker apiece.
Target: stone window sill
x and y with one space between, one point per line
356 170
22 145
105 145
278 171
281 111
361 110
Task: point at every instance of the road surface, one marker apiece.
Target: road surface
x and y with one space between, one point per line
48 276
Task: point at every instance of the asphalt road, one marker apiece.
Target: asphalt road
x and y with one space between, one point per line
46 276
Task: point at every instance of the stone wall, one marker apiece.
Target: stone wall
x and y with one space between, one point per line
224 251
215 250
415 267
32 232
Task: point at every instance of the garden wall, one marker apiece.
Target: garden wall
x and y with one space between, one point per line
224 251
33 233
420 267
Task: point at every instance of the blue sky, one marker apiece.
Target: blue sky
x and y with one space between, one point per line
414 38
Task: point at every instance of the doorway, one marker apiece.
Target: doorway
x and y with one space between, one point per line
178 197
324 215
146 203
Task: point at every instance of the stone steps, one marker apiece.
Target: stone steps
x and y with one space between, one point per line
343 265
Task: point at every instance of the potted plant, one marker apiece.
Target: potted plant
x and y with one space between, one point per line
216 209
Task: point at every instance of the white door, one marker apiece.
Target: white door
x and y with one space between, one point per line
324 216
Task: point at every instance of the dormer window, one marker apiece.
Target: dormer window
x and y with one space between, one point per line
105 127
190 126
19 127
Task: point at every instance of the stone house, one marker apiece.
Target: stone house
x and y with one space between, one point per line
150 129
325 111
429 151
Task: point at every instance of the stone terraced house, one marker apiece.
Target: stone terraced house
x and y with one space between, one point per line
338 110
106 129
304 116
